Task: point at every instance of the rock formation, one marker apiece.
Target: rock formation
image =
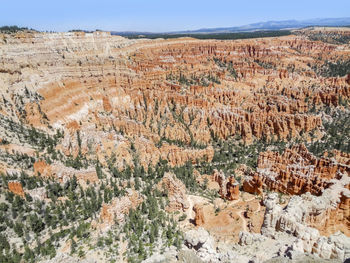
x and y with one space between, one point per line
38 193
176 191
302 218
203 243
229 188
253 184
63 173
246 238
296 171
116 210
286 232
199 216
220 178
113 90
232 192
16 188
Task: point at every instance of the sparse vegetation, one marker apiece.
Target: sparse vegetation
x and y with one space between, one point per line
336 134
241 35
13 29
337 68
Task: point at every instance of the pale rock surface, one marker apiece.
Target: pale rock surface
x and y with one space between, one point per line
38 193
201 241
291 220
176 191
116 210
169 256
65 258
247 238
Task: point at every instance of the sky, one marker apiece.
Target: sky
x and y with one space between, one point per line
160 16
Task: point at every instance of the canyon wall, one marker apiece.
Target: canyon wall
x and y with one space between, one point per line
117 92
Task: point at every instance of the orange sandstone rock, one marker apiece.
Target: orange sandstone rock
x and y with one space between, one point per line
332 220
63 173
296 171
232 192
199 216
229 188
16 188
42 168
130 92
176 191
253 185
116 210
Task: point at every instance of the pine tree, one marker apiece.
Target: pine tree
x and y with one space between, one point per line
73 247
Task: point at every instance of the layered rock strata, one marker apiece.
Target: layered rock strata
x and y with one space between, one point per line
115 91
296 171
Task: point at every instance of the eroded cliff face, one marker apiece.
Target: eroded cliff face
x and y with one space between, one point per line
308 218
295 172
185 92
131 119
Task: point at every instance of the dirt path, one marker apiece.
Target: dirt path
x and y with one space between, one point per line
240 214
244 223
193 200
258 208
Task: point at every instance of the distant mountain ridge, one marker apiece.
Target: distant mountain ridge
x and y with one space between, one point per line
261 26
278 25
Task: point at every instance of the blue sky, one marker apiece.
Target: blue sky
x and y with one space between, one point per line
158 16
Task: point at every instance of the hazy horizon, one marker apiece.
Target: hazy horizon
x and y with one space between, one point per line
157 16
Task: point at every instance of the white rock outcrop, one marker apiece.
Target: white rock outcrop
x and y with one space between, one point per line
291 220
201 241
